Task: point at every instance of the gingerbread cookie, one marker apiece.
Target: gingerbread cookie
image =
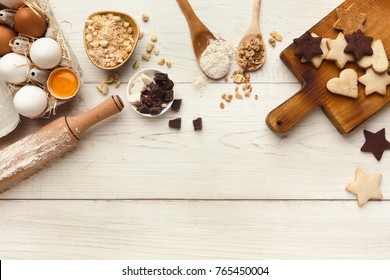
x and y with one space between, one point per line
375 82
359 44
345 85
317 59
378 60
365 186
376 143
350 20
307 46
336 51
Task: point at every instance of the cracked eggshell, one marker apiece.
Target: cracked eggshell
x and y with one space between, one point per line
12 3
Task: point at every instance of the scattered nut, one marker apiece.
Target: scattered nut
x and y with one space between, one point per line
117 83
110 79
156 51
272 41
276 36
145 17
102 87
251 53
161 61
238 95
222 105
149 46
141 34
256 97
145 56
168 63
153 38
136 64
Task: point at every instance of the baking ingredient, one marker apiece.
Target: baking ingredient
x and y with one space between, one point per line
6 35
175 123
216 59
46 53
63 83
30 22
145 56
30 101
156 97
145 17
161 61
109 39
102 87
176 104
375 143
136 64
138 86
13 68
272 41
251 53
198 124
276 36
153 38
12 3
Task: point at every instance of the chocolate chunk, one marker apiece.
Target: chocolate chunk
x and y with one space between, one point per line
176 105
168 96
376 143
308 46
143 109
147 100
175 123
197 124
155 110
359 44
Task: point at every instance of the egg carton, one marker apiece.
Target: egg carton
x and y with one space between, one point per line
38 76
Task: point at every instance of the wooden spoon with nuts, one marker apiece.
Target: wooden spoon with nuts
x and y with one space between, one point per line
252 43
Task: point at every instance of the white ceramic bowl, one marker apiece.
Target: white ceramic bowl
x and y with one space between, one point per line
149 72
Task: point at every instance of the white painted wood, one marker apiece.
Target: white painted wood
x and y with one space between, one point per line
286 196
194 230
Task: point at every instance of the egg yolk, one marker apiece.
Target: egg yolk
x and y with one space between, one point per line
64 83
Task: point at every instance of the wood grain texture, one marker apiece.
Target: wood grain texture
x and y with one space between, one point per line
345 113
135 189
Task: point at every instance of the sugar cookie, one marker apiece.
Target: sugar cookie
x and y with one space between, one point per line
345 85
336 51
365 186
375 82
349 20
317 60
378 60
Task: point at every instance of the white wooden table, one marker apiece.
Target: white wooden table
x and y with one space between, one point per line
136 189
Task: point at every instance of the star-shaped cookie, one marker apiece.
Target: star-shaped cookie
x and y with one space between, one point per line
317 59
307 46
359 44
350 20
375 82
378 60
336 51
365 186
376 143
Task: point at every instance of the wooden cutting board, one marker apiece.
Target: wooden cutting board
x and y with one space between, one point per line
345 113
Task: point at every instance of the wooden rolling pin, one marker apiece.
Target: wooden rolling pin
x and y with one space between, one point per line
31 153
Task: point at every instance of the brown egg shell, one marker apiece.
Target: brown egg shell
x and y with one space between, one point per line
29 22
6 35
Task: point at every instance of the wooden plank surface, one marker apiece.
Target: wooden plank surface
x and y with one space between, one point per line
135 189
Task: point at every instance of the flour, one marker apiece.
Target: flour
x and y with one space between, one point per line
216 59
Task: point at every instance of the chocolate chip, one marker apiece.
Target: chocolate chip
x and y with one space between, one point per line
155 110
143 109
147 100
197 124
176 105
175 123
168 96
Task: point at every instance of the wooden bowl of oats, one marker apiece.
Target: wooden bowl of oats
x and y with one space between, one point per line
110 38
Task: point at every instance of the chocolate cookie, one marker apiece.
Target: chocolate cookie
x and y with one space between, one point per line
359 44
376 143
308 46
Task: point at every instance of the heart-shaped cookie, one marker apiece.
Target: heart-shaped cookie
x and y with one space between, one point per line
346 84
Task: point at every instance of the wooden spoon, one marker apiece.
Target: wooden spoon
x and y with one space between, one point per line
252 33
200 34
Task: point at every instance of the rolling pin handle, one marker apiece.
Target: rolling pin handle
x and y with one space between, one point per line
284 117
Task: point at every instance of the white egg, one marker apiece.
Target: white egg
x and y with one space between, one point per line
45 53
13 68
30 101
12 3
